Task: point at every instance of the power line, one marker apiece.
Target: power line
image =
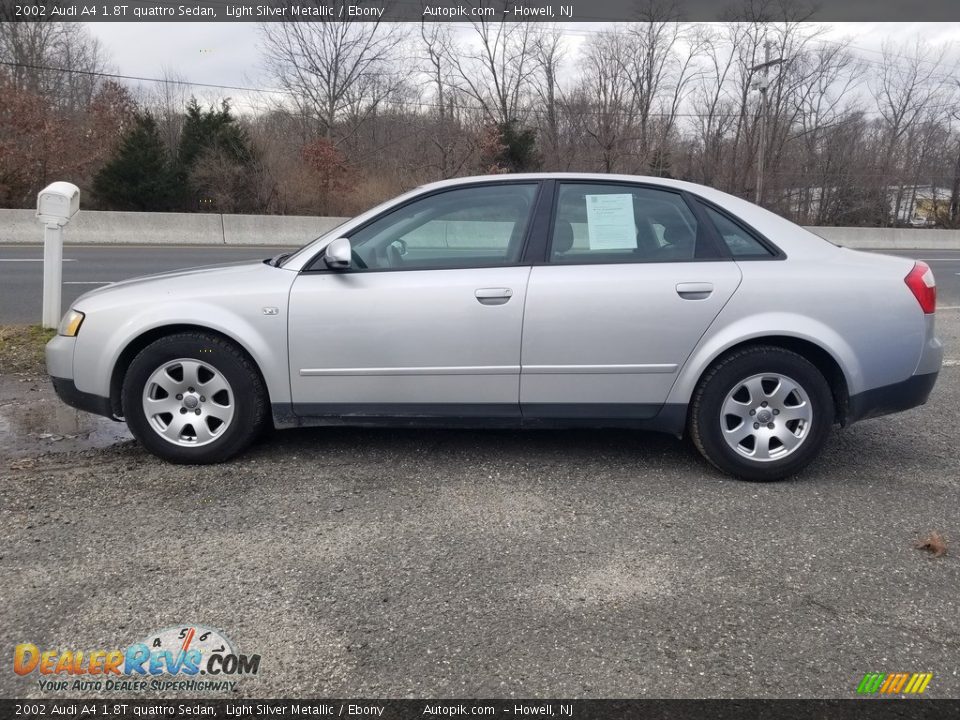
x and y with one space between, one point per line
954 68
386 101
118 76
274 91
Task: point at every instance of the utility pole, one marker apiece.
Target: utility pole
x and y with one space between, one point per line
763 83
953 210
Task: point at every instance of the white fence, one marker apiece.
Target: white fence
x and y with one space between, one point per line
108 228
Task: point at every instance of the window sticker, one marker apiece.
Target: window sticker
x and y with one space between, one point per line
610 223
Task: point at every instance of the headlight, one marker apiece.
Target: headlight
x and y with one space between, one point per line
70 325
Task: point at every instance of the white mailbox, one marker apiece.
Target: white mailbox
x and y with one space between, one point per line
57 203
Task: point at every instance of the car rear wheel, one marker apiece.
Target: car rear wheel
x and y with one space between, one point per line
762 413
193 398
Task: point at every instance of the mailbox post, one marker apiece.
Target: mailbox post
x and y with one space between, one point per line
56 205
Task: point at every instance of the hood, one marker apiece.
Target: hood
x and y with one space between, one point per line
211 271
210 282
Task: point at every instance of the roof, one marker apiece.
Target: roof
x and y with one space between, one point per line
666 182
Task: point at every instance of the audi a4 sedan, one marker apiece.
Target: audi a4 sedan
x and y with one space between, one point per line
541 300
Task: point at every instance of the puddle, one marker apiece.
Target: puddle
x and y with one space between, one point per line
34 421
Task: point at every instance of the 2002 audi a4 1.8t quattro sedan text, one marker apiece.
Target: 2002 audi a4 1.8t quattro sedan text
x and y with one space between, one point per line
522 300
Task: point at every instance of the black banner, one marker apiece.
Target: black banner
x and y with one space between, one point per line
474 10
875 709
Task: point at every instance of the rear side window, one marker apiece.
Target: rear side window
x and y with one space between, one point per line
739 240
606 223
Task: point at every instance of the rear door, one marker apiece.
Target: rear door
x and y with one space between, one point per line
632 280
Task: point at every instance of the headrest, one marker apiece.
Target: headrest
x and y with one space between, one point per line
562 236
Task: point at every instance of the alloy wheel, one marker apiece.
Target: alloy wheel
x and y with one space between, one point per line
766 417
188 402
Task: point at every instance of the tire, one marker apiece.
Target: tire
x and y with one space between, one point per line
747 394
193 398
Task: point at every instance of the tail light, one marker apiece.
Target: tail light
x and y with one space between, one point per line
923 286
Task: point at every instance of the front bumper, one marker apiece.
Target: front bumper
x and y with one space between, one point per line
88 402
59 355
893 398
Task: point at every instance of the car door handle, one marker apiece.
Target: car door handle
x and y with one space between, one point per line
694 290
493 296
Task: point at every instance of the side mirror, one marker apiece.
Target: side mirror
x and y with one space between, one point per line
338 255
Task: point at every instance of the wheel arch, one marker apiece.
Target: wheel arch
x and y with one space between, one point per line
823 360
139 342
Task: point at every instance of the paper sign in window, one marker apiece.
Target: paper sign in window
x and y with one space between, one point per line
610 223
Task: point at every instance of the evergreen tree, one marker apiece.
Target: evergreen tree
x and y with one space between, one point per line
139 176
660 165
214 129
213 159
510 148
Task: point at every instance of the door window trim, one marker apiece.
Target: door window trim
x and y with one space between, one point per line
316 265
717 248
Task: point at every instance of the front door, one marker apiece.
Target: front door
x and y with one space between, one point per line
427 321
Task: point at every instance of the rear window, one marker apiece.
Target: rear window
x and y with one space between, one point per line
740 241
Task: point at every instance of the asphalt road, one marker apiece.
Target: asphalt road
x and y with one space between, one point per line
87 267
393 563
946 268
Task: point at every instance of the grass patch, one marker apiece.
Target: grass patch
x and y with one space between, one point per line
21 349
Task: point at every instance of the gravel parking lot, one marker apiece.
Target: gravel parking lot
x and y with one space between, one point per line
391 563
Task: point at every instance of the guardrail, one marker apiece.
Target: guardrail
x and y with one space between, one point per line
890 238
94 227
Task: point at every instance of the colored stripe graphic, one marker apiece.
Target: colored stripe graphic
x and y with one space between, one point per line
894 683
870 683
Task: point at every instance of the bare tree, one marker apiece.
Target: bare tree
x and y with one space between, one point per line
906 89
549 52
711 102
167 101
608 117
496 72
332 67
56 59
822 98
442 128
657 75
953 208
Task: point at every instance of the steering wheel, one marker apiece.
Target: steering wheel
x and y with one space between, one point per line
394 256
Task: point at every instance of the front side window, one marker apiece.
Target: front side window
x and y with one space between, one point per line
478 226
622 223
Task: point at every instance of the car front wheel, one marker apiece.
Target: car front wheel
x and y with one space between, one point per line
193 398
761 413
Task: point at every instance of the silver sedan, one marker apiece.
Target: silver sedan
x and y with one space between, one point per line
544 300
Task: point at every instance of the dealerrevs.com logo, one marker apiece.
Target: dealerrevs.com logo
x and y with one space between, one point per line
181 658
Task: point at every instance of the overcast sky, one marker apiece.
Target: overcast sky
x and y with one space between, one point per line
228 53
